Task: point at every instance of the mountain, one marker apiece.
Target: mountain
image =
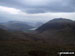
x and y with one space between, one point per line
58 30
54 36
57 23
17 26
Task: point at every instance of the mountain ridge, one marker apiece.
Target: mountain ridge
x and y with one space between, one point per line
58 30
58 23
16 26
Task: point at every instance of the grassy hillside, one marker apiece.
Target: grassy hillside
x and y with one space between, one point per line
30 48
23 44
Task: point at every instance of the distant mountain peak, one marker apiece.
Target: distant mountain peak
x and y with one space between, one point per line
60 20
56 24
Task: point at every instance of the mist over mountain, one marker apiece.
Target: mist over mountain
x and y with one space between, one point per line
35 24
2 19
8 22
16 26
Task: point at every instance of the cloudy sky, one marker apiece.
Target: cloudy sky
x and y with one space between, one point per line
36 10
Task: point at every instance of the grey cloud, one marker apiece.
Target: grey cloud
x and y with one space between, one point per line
44 6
